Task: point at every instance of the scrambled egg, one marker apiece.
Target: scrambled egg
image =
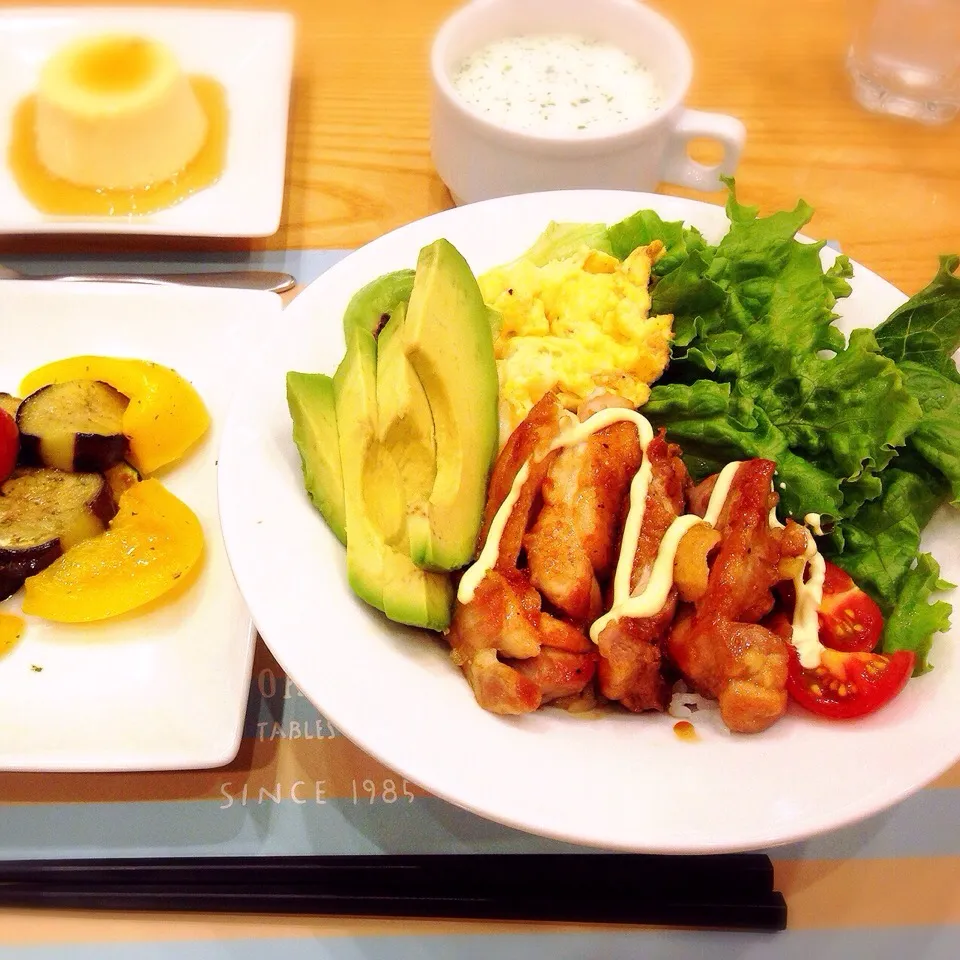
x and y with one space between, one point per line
580 325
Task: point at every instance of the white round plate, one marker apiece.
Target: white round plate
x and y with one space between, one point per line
620 781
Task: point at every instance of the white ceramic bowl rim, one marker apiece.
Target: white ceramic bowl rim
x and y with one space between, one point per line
618 782
621 137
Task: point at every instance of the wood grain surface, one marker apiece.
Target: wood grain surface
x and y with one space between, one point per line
359 157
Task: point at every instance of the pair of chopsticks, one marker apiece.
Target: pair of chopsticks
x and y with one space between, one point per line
733 891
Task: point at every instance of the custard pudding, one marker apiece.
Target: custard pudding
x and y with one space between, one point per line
116 112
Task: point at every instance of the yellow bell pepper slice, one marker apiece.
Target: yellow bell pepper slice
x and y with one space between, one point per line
153 542
165 417
11 626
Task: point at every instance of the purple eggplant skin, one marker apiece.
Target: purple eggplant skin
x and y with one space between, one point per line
9 586
76 425
18 564
92 453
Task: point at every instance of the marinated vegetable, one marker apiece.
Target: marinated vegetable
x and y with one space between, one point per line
153 543
74 425
9 404
165 416
43 513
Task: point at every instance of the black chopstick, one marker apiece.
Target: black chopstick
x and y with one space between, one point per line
765 912
740 873
727 891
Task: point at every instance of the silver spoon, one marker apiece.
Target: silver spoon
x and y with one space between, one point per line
269 280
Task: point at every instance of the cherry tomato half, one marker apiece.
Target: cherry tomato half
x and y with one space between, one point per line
848 685
9 444
849 619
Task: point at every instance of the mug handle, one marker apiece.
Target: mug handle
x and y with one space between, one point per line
679 169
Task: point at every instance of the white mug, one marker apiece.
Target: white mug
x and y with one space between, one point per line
478 159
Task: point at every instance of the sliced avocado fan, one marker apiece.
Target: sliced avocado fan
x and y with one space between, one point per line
448 340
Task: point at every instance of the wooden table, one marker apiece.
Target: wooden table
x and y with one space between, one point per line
359 165
359 157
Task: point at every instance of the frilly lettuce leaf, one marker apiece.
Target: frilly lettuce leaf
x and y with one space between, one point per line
714 425
880 552
781 300
757 302
937 436
847 412
562 240
922 336
880 543
926 329
758 314
690 295
644 227
915 620
868 486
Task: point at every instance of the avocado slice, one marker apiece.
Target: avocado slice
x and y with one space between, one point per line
405 420
374 502
312 409
371 306
448 340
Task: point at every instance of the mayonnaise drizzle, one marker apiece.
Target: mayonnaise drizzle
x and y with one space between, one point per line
775 523
806 623
721 491
814 521
575 433
809 593
654 594
631 529
488 555
650 600
581 429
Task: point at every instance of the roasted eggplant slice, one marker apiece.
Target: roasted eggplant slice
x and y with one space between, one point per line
120 478
9 585
76 426
16 564
9 403
44 512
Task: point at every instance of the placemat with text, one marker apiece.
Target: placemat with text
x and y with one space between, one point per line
887 887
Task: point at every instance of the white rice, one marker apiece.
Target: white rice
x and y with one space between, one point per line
684 702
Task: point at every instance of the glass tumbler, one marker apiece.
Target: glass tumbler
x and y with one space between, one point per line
904 57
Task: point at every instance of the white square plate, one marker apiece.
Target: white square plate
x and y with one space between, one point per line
251 54
168 688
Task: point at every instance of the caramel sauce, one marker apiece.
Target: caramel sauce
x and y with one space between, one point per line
11 626
115 65
685 730
51 195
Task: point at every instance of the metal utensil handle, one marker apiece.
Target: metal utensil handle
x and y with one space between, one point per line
269 280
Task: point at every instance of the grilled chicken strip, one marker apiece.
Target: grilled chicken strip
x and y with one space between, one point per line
531 439
570 548
630 648
501 619
515 656
719 646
